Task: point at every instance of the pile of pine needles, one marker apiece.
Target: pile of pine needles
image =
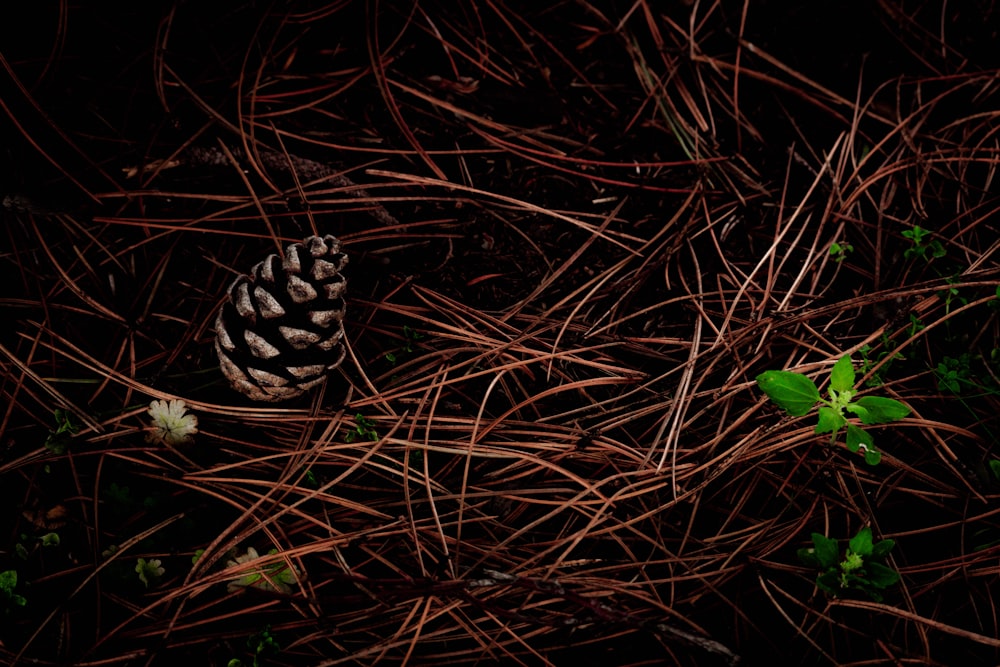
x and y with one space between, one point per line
577 231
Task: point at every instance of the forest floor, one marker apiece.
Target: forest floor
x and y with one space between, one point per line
578 233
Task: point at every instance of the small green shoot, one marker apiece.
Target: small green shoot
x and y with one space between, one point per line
861 568
364 429
952 373
796 394
8 582
47 540
262 645
918 248
951 295
58 440
410 338
840 250
149 571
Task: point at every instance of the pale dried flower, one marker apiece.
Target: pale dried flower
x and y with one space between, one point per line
170 425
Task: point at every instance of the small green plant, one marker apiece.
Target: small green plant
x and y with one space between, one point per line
47 540
149 571
861 567
262 644
796 394
952 373
364 429
840 250
951 295
410 338
919 248
8 582
58 439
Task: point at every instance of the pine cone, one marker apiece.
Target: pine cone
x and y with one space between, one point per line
281 330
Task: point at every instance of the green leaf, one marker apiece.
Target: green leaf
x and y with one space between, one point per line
830 421
861 544
881 410
995 468
857 410
873 457
842 375
792 392
808 557
8 580
857 437
828 582
881 576
882 548
826 550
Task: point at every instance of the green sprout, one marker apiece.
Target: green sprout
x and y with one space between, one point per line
364 429
410 336
796 394
58 439
149 571
262 644
918 248
861 568
952 373
840 250
47 540
8 582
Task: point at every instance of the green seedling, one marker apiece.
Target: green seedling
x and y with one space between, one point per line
951 295
796 394
58 439
149 571
410 338
8 582
918 248
861 568
262 644
21 548
952 373
364 429
840 250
